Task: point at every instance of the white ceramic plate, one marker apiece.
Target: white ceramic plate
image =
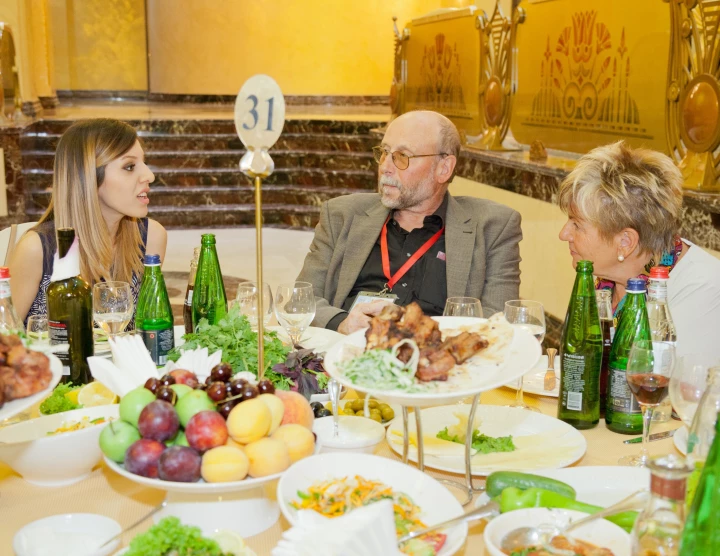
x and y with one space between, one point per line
14 407
43 535
542 442
471 378
534 381
598 485
680 440
436 502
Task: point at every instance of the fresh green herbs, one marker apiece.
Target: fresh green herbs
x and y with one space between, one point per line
481 442
170 536
58 402
238 343
381 370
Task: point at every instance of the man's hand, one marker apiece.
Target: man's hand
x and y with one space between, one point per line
360 315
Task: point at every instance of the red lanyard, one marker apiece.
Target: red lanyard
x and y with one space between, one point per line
392 280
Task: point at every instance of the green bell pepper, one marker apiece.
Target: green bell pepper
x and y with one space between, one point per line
513 498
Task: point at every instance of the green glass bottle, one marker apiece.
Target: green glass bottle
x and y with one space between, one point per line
622 413
701 536
69 306
209 300
154 318
581 351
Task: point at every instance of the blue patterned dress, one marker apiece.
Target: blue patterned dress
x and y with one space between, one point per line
46 231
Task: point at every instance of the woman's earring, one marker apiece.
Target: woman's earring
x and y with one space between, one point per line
621 258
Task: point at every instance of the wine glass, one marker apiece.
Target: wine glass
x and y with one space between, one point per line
529 315
649 368
688 383
463 307
247 300
295 308
112 306
38 331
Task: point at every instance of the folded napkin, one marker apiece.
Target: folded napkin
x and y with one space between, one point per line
131 365
197 361
367 531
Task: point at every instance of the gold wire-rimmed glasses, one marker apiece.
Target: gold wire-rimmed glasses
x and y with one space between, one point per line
400 160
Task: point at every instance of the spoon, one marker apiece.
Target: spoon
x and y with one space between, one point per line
489 509
334 390
523 537
151 513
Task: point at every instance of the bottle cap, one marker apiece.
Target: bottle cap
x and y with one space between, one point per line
152 260
660 273
636 285
4 273
584 266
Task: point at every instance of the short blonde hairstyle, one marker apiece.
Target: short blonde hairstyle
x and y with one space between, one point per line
616 187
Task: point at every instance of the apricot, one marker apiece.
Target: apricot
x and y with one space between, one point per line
299 441
231 442
297 409
277 410
224 464
249 421
267 456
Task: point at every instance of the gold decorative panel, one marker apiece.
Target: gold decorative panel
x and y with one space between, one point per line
592 72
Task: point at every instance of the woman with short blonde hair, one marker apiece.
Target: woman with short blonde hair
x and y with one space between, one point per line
100 188
624 210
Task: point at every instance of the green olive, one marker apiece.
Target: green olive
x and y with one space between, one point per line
348 412
387 414
348 405
376 417
373 404
383 406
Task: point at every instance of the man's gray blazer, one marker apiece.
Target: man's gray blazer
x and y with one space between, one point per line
481 243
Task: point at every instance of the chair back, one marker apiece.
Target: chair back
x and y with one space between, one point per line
9 238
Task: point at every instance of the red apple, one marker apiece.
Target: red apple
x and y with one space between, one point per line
142 457
206 430
183 376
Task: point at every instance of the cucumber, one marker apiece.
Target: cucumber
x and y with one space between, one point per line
500 480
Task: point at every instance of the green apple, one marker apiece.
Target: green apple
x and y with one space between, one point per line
180 439
116 438
192 403
133 403
180 389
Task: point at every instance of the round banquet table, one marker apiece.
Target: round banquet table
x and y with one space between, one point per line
107 493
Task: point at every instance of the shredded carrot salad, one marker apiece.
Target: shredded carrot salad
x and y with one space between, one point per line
70 426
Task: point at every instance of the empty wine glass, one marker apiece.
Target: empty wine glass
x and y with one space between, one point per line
649 368
688 382
37 330
463 307
529 315
295 308
112 306
247 300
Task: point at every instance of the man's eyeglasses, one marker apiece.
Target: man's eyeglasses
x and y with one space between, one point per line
400 160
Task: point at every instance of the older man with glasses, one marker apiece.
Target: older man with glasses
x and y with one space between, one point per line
411 241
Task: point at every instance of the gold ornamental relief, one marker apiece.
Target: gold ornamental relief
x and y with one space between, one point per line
440 71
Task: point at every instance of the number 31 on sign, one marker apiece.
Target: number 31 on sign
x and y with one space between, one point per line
259 112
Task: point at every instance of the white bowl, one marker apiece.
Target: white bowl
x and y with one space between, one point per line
67 535
601 532
437 504
57 460
357 434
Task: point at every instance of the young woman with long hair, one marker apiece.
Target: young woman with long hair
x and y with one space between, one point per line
100 188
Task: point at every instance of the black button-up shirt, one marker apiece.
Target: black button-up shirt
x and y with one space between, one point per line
424 282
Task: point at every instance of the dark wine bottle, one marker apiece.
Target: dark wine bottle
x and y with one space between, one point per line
69 305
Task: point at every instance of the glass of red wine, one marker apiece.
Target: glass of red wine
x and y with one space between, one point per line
649 367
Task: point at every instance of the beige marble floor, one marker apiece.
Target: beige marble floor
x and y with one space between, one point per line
138 110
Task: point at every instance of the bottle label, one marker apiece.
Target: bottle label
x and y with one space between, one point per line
620 398
188 299
58 333
4 289
573 382
657 289
158 343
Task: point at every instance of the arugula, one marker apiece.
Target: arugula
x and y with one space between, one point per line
171 535
481 442
233 335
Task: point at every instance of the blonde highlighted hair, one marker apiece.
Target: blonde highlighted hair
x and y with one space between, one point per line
614 187
82 154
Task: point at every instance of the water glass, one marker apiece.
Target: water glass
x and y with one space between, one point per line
463 307
295 308
247 301
688 383
112 306
38 331
529 315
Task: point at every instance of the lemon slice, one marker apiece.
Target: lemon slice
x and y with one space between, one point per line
230 541
72 395
94 394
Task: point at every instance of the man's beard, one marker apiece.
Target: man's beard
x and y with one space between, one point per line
407 197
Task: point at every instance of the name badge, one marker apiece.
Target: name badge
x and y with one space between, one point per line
367 297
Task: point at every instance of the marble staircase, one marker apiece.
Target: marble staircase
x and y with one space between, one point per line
197 179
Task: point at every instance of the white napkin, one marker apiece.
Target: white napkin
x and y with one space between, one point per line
69 265
131 365
197 361
367 531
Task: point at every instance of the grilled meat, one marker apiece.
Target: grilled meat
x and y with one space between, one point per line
464 345
24 372
435 364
